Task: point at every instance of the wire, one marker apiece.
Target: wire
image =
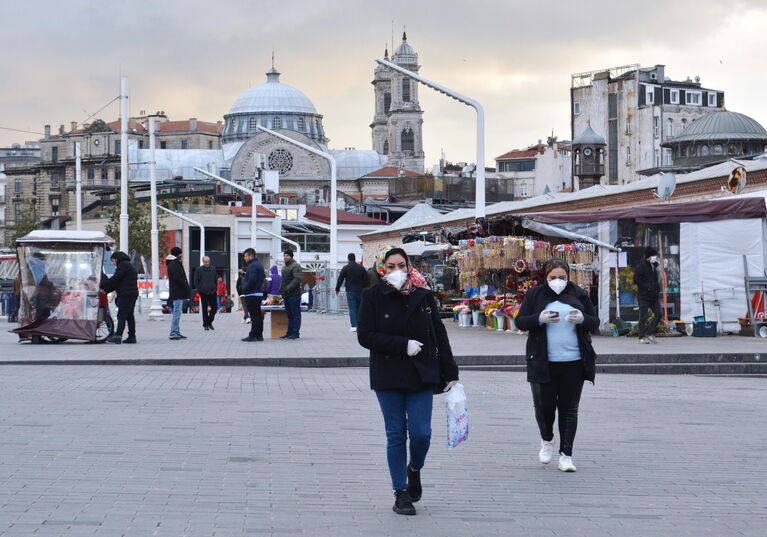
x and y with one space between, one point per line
20 130
80 123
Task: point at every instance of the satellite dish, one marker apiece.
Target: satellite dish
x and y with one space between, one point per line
666 186
736 181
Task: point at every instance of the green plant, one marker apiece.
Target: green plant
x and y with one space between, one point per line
27 222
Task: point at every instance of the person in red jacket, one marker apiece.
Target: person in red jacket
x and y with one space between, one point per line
221 293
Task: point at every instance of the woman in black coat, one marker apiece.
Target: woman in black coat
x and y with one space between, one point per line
410 361
559 317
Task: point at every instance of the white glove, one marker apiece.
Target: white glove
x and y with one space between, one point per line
575 316
548 316
413 347
449 385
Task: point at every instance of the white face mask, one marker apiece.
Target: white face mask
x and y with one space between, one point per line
396 279
654 259
557 285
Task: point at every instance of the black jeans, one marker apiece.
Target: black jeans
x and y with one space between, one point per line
253 307
208 304
644 308
125 305
562 394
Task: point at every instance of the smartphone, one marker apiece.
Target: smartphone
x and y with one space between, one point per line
555 315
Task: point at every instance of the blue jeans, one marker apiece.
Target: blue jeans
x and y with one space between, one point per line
354 300
293 309
175 318
406 413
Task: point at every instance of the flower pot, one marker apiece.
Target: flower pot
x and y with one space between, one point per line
510 324
482 319
499 324
475 318
465 320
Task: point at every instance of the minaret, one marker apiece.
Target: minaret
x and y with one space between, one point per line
405 117
382 90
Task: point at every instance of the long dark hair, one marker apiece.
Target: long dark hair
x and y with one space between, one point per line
552 264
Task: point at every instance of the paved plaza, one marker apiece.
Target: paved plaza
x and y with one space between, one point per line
326 340
224 451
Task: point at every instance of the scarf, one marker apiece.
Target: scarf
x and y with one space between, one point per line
414 280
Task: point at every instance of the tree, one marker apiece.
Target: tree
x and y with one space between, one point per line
27 221
139 226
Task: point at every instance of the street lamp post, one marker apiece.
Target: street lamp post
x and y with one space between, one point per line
78 186
333 262
124 164
155 310
480 180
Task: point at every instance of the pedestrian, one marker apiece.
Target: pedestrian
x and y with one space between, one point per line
253 294
275 281
647 280
410 361
124 282
17 297
178 292
206 283
354 276
221 292
290 289
559 318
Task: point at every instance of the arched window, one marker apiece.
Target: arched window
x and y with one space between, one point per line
387 102
252 123
718 149
408 140
301 124
705 151
234 125
670 127
276 122
406 90
386 147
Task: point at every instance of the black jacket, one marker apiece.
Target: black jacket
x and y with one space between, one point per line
537 353
125 279
206 280
647 281
387 320
355 277
177 282
253 281
291 279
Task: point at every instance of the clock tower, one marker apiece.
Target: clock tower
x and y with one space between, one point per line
588 158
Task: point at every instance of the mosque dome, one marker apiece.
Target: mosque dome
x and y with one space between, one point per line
723 125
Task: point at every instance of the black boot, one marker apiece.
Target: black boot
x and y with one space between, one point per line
130 339
414 484
115 338
403 505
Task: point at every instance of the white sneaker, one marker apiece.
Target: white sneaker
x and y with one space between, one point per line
247 321
353 329
652 339
644 340
546 452
566 463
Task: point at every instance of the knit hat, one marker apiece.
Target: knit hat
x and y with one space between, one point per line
649 252
175 251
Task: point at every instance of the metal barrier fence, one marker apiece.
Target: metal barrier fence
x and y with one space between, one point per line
325 299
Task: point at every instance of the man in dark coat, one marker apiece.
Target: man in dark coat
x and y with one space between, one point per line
178 290
125 283
206 283
253 294
291 294
647 280
355 277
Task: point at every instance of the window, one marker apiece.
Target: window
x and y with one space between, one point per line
712 100
17 186
670 127
252 123
17 211
692 98
210 144
141 144
705 150
387 102
234 125
669 159
276 123
682 126
55 202
649 95
674 96
656 126
408 140
184 144
163 145
104 176
657 157
718 150
523 190
118 175
576 108
54 154
386 147
406 90
91 174
117 147
301 124
628 155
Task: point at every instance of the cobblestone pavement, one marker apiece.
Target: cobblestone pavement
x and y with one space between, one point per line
225 451
327 336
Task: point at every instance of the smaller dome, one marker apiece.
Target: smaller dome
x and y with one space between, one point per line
589 137
405 53
722 125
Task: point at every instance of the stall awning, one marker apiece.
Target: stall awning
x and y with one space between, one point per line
664 213
552 231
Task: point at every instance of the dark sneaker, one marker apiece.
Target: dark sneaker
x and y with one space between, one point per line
292 337
206 327
175 337
252 339
211 327
403 505
114 338
414 484
286 336
130 339
181 336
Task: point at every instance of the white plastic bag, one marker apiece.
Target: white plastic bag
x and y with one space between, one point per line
457 416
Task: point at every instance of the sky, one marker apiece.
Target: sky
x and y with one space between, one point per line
61 61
